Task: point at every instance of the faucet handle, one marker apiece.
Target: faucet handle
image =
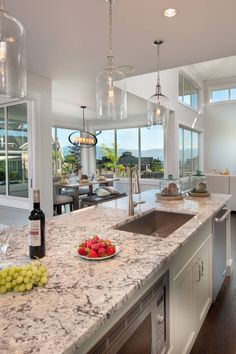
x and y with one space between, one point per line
141 202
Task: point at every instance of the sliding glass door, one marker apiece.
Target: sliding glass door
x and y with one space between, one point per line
14 150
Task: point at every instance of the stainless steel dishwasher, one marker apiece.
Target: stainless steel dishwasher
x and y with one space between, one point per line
220 227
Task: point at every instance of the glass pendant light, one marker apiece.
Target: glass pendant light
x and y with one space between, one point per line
111 97
12 55
158 104
82 138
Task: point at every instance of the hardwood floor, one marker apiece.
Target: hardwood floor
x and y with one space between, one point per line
9 215
218 333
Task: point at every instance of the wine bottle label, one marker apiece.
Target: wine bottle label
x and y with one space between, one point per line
34 233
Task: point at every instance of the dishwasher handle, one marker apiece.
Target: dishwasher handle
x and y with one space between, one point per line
218 220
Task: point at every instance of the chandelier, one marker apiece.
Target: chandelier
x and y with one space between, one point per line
82 138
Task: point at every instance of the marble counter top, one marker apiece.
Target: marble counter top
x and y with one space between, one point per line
81 294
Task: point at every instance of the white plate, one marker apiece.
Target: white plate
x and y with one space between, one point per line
99 258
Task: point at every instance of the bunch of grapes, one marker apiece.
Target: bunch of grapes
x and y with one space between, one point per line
24 277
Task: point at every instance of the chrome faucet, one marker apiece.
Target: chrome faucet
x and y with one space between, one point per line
132 204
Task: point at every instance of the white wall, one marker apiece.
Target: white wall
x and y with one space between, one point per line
39 89
220 132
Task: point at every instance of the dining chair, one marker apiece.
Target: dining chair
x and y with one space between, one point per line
60 200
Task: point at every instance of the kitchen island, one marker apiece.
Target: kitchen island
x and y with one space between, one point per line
82 296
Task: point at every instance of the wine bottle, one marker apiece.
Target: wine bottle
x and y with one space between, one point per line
36 229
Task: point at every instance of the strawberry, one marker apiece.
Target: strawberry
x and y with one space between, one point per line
89 244
82 251
95 246
111 250
101 252
103 244
93 254
96 238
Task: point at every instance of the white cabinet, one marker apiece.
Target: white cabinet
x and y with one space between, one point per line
192 297
218 183
184 310
203 281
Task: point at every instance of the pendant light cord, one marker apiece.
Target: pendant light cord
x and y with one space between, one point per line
110 27
158 64
83 108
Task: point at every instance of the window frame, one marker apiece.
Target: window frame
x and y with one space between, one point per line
181 170
227 87
193 85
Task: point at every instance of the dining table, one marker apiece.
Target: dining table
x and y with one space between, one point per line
89 183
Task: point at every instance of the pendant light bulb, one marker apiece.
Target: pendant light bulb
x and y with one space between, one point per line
158 104
111 96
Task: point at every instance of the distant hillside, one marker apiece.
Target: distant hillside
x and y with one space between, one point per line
156 153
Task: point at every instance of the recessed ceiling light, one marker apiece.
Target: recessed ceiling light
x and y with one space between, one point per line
171 12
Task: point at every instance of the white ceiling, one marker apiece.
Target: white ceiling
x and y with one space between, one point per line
215 69
67 40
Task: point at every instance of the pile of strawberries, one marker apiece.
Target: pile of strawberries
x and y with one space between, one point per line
96 247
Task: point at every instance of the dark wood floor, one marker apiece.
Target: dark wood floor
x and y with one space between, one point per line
218 333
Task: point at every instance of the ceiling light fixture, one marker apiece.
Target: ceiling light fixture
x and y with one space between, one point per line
171 12
12 55
82 138
158 104
111 96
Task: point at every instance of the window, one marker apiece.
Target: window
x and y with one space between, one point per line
188 92
65 157
127 149
222 94
118 149
152 153
188 151
14 150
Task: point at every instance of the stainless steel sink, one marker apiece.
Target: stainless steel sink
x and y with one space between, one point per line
156 223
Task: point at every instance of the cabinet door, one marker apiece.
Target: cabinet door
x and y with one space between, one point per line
204 285
184 309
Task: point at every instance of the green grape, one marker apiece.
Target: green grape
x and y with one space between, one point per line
19 279
22 287
23 273
2 281
29 273
44 280
26 280
4 273
22 278
12 271
29 286
13 283
42 268
3 289
8 285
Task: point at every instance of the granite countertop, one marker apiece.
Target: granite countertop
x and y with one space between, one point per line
81 294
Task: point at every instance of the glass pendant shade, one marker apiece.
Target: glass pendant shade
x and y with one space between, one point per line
111 96
158 104
158 111
12 56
